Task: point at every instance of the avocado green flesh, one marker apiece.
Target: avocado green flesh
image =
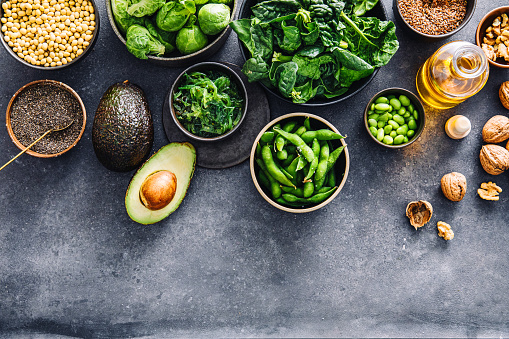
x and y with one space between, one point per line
178 158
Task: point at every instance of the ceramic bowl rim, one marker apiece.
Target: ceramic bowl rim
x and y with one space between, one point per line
230 72
183 58
252 165
37 83
73 61
439 36
414 99
478 42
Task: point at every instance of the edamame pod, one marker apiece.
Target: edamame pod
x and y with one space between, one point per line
321 169
263 179
298 192
288 161
307 124
267 136
314 163
315 199
280 141
275 187
301 164
305 150
308 189
282 155
300 130
333 157
331 181
321 134
272 168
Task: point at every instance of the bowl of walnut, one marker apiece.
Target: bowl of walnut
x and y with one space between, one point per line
492 36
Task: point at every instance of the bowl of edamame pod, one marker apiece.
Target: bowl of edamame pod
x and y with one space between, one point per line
394 117
299 162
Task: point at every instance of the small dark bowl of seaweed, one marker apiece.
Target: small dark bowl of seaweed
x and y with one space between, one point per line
208 101
377 11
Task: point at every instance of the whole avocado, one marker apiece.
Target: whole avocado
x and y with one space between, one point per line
123 132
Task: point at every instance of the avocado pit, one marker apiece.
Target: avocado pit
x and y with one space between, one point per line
158 190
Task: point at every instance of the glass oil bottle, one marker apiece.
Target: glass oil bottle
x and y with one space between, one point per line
455 72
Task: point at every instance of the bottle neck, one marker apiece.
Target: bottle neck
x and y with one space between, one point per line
469 62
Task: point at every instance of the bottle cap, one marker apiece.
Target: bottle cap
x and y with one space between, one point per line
457 127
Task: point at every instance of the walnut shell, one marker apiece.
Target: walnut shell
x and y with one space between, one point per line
419 213
454 186
494 159
503 93
496 129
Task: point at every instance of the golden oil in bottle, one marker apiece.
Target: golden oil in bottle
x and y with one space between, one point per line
455 72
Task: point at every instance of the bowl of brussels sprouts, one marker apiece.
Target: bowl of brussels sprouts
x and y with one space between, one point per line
172 33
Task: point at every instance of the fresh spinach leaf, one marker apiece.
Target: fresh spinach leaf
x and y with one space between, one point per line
257 38
256 69
304 93
286 75
371 39
267 11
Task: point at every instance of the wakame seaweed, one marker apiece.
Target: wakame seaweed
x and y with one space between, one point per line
208 104
314 48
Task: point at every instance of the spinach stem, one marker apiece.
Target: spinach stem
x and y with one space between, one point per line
356 28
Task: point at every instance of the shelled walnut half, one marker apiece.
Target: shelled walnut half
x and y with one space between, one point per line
445 231
496 40
489 191
419 213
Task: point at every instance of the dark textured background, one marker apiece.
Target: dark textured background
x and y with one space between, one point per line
226 263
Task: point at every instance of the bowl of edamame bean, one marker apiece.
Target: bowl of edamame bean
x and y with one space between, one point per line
299 162
394 117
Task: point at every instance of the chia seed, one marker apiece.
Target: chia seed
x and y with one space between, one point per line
433 17
40 108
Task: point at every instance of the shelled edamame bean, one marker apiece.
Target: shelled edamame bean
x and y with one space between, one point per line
309 161
393 119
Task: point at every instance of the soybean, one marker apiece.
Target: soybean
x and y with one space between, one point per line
404 100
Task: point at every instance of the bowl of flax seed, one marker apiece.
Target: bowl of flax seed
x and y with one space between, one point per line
40 106
434 19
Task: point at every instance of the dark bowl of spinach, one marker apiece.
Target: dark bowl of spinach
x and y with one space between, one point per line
208 101
314 52
155 38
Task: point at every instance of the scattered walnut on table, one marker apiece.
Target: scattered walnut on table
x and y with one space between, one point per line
454 186
496 129
494 159
445 231
503 94
489 191
419 213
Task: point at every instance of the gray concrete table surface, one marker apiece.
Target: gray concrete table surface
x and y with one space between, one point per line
226 263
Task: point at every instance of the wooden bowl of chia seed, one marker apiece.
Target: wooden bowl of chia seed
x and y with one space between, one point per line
431 19
40 106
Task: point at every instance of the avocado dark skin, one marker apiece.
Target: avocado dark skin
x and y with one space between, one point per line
123 131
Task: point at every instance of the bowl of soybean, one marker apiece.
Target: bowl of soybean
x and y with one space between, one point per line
299 195
394 117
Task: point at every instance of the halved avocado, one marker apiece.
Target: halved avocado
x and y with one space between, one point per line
173 162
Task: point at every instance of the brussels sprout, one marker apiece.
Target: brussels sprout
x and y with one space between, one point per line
166 38
190 38
122 18
174 15
213 18
226 2
140 42
144 7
